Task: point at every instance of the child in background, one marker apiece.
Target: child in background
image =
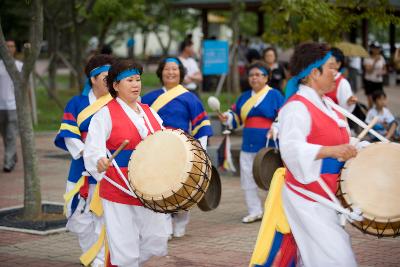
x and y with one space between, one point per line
387 123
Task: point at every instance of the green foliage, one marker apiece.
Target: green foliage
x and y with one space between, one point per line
294 21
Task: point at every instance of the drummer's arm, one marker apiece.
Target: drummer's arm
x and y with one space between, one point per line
95 146
300 157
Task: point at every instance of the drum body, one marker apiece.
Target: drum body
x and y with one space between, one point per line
370 182
266 162
169 171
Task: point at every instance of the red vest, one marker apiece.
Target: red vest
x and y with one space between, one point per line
333 94
123 128
325 132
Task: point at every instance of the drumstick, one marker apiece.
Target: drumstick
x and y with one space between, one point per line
119 149
369 127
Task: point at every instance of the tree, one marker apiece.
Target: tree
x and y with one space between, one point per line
293 22
32 195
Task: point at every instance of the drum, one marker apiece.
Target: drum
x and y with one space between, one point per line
370 182
266 162
169 171
212 197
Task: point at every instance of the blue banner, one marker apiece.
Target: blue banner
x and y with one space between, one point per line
215 57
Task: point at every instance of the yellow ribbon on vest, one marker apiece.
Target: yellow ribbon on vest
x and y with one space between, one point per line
169 95
70 194
274 219
249 104
87 257
93 108
95 204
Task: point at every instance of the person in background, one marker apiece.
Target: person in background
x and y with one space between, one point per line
256 110
342 93
8 112
277 72
375 68
193 75
387 123
179 109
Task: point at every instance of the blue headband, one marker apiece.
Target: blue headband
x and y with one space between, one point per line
293 84
263 70
93 73
172 59
126 73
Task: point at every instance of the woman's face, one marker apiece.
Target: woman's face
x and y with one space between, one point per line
325 81
99 84
269 57
257 79
129 89
171 75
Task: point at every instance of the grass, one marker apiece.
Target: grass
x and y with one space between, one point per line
49 114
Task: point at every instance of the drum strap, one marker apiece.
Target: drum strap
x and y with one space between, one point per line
130 191
350 215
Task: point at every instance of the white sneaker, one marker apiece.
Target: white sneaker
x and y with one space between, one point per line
179 233
252 218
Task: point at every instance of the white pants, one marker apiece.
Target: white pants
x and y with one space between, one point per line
320 238
86 225
179 222
248 184
134 233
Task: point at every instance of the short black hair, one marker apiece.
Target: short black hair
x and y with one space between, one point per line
116 68
161 65
97 61
377 95
184 44
305 54
338 55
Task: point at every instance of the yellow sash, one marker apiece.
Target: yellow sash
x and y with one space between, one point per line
87 257
95 204
169 95
249 104
274 219
93 108
70 194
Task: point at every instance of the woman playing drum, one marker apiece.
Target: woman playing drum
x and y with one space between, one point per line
179 109
256 109
313 138
71 137
134 233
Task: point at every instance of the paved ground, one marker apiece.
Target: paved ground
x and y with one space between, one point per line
216 238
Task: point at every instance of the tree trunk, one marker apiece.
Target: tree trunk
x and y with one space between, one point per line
103 33
235 38
32 195
76 36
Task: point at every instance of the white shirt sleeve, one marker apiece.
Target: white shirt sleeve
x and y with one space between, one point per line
370 115
388 116
298 155
343 94
203 142
74 146
95 145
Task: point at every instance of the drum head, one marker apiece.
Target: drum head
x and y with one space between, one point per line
371 181
160 164
265 164
212 197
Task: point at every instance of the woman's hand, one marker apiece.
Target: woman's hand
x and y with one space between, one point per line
102 164
340 152
223 117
